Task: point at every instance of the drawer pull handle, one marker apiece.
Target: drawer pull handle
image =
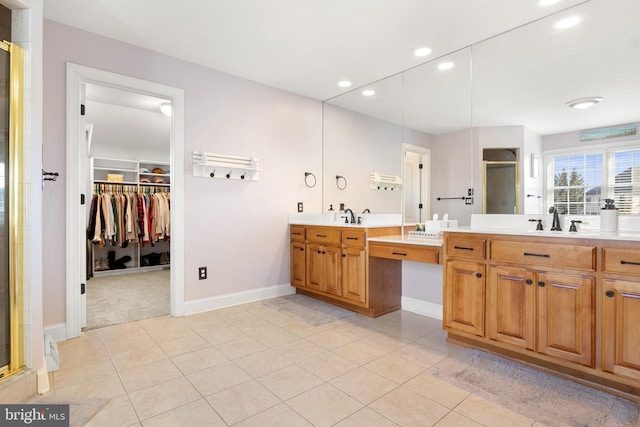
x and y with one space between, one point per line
321 235
352 238
610 294
463 248
528 281
629 262
540 255
399 253
297 234
478 275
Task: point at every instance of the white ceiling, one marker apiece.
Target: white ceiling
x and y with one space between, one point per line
307 46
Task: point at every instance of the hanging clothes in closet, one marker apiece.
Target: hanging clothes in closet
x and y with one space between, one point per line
119 215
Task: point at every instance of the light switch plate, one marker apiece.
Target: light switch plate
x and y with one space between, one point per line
300 208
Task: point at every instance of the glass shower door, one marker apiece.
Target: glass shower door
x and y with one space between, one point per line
5 283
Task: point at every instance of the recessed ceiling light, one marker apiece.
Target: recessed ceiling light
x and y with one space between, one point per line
368 92
569 22
445 65
547 2
423 51
344 83
584 103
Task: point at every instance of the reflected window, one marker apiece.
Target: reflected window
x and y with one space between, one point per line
579 181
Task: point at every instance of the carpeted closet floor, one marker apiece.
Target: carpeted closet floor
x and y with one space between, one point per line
112 300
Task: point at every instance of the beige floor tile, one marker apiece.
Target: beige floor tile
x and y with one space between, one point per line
290 381
395 368
275 337
359 352
75 372
262 362
120 331
222 335
150 374
363 385
123 344
453 419
490 414
82 349
140 356
118 412
304 330
324 405
330 339
354 330
277 416
436 390
329 365
408 408
299 350
181 345
204 322
104 386
243 318
366 417
240 348
386 342
162 397
218 378
170 332
254 329
197 413
238 403
417 353
199 360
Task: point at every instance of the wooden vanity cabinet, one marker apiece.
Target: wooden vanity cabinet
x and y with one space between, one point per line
464 294
354 267
322 261
297 255
621 316
332 264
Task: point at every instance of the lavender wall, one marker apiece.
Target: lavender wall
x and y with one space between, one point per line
238 229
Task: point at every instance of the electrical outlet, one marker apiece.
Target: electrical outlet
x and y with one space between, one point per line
202 273
300 207
468 200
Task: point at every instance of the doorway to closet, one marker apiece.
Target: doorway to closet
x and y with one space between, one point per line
79 186
128 137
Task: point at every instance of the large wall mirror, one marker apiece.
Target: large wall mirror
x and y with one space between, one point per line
510 91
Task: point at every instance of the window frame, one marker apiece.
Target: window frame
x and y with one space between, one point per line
605 149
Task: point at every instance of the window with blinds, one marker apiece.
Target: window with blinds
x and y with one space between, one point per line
579 181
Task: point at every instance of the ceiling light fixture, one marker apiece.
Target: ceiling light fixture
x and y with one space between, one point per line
344 83
584 103
165 108
445 65
569 22
423 51
547 2
368 92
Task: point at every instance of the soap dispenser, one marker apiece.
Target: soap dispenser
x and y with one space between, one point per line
609 217
332 214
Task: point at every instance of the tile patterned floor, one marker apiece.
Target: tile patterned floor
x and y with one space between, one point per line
253 366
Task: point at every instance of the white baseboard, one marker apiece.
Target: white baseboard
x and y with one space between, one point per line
57 331
424 308
237 298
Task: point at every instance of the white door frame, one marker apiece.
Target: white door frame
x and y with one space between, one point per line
425 185
76 225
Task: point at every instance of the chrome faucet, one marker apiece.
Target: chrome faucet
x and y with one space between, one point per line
353 217
555 224
366 211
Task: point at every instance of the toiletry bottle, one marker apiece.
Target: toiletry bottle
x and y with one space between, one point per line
608 217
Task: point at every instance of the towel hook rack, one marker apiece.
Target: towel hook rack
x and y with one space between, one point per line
306 182
344 185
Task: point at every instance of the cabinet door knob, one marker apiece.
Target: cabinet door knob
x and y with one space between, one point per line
319 252
528 281
478 275
302 249
324 252
541 284
610 294
344 255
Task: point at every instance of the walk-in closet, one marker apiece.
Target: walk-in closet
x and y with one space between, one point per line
128 203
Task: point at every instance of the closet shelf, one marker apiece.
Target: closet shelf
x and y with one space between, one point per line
211 165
